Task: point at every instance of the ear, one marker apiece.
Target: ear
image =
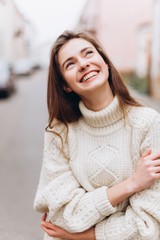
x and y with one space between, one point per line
67 89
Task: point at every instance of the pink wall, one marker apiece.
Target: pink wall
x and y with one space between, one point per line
117 24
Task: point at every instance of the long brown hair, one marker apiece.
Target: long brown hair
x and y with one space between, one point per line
64 106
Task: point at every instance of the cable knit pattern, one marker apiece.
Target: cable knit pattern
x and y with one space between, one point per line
102 152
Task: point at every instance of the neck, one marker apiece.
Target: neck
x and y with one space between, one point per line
103 118
97 101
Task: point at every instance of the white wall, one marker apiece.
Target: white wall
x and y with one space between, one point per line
143 50
155 56
13 44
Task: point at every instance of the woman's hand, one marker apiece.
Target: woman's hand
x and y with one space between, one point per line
147 171
58 232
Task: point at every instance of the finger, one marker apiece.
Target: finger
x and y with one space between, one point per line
56 228
50 232
147 152
49 225
157 176
53 224
153 156
44 217
157 169
157 162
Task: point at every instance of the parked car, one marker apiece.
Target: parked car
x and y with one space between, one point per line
22 66
6 79
35 63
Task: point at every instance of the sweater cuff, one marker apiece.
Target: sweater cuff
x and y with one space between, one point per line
102 203
99 231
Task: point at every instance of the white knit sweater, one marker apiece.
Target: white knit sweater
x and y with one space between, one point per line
102 152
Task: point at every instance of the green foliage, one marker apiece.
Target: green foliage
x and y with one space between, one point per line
139 84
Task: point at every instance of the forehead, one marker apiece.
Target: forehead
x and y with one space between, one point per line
72 48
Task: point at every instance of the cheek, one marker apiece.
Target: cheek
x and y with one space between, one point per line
68 81
99 60
70 76
105 70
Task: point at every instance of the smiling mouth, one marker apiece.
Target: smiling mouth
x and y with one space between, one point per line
89 75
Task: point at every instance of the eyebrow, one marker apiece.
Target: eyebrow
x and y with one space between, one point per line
70 58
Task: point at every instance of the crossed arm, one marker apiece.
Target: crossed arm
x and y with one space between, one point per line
146 172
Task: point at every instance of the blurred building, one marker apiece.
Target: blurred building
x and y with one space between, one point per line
43 53
89 19
15 33
143 61
128 32
155 52
115 23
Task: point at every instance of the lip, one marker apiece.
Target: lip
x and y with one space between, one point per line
88 73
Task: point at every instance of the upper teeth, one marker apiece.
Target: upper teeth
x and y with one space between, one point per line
89 75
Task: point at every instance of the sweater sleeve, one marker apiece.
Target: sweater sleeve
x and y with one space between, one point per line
60 194
141 220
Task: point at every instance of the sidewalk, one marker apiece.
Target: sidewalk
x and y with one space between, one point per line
145 100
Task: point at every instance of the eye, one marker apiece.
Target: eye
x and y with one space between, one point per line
69 64
89 52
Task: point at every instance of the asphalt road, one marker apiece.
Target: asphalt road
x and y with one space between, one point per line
22 120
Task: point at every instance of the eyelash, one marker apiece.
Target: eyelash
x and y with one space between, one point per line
89 52
70 63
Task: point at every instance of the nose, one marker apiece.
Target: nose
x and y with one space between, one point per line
83 64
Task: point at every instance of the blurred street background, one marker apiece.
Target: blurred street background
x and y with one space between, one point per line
22 117
129 30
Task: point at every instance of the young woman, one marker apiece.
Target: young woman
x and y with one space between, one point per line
101 168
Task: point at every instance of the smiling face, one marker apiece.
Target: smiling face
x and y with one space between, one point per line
82 67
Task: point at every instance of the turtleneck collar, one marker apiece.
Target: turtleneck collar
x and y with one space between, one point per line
105 117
